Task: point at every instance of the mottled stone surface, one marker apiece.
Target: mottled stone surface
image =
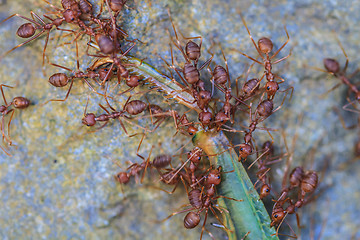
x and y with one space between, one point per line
59 185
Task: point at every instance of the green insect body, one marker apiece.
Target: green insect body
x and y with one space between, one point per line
249 216
246 218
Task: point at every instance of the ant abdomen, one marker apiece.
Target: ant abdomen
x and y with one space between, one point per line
331 65
20 102
191 74
59 80
265 108
135 107
191 220
26 30
220 75
161 161
192 51
195 198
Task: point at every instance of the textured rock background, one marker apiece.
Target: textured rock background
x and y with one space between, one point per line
59 182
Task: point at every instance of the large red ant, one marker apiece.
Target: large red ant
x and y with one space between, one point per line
264 47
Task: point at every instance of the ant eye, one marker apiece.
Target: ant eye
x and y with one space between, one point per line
191 134
72 19
276 216
199 158
218 177
268 88
267 190
278 88
241 149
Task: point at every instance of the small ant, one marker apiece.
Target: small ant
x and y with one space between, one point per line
17 102
333 67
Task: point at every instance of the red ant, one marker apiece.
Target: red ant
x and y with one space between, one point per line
27 30
133 107
202 201
264 47
268 152
333 67
17 102
61 79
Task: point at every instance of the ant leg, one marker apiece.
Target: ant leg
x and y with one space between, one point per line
243 20
343 50
59 66
345 107
291 94
46 42
277 52
5 151
281 59
21 44
147 160
61 100
11 117
342 120
177 42
233 49
37 16
175 213
2 92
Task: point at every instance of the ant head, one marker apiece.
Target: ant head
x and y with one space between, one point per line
195 155
89 119
277 216
122 177
2 108
331 65
221 118
245 150
205 117
192 130
271 88
265 45
192 50
213 177
103 72
204 99
264 191
20 102
133 81
69 16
